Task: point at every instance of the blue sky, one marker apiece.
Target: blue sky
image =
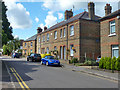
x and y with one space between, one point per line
25 17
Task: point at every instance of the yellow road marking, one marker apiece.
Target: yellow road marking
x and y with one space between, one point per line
17 79
21 80
17 75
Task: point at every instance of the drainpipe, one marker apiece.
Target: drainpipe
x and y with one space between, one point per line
80 39
67 41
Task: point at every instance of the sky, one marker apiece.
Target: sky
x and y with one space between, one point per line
25 16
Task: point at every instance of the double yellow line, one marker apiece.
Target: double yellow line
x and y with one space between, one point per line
19 79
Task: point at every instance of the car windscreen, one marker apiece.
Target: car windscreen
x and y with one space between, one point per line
38 55
50 57
99 57
16 53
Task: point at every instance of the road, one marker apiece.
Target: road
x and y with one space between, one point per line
34 75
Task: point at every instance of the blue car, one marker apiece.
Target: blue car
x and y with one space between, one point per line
15 55
49 60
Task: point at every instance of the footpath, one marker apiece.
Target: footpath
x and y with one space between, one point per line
5 79
97 72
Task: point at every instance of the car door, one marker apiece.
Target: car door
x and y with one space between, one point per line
31 56
45 59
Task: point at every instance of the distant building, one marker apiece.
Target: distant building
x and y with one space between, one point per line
21 44
29 45
77 36
110 33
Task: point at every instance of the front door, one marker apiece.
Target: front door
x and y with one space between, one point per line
64 52
61 54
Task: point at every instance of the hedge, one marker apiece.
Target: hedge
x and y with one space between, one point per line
110 63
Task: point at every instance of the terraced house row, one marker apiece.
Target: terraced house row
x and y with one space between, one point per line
84 35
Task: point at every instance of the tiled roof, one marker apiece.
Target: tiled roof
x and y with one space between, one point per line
32 38
83 15
111 15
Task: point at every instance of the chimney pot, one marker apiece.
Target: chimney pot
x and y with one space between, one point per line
39 30
108 9
45 28
68 14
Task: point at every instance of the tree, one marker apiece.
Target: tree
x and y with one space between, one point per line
10 46
6 28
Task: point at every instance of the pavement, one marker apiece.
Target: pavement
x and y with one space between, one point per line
5 79
96 72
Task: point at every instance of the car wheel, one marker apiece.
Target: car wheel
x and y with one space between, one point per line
27 59
47 64
41 63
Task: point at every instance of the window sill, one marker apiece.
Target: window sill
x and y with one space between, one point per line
71 35
114 34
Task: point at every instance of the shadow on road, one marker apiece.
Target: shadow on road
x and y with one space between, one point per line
23 68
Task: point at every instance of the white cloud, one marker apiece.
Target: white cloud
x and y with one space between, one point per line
50 19
17 15
37 19
16 36
42 26
62 5
60 15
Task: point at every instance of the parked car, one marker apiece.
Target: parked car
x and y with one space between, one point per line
15 55
49 60
34 57
98 59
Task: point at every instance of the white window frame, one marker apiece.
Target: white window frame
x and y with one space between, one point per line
71 50
47 36
60 33
25 44
25 51
55 34
43 38
31 50
115 47
47 50
39 39
31 44
71 30
112 25
39 50
55 47
64 31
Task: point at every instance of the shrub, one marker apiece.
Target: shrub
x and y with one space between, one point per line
108 63
117 64
74 60
105 62
113 63
101 62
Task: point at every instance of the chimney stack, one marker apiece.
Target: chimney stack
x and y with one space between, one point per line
45 28
39 30
91 10
68 14
108 9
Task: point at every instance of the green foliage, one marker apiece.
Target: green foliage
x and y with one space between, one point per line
104 62
74 60
20 51
108 63
12 44
6 29
101 62
113 63
5 49
117 64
